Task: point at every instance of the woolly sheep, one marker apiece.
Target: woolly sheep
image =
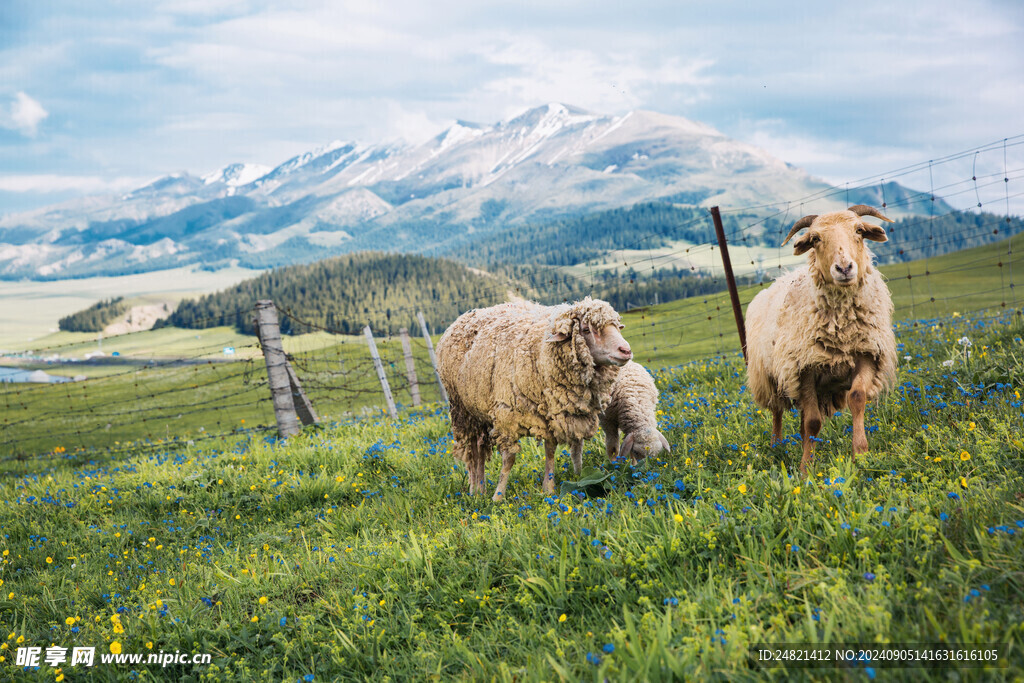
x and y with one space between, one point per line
820 337
521 369
631 409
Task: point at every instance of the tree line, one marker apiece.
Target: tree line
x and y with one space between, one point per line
94 318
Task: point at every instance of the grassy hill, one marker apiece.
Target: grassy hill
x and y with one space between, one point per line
351 552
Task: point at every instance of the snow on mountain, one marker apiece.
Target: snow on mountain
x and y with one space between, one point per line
545 162
236 175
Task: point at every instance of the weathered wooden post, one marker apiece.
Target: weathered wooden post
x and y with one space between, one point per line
737 311
410 367
269 331
433 358
380 373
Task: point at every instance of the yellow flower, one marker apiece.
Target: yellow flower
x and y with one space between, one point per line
964 455
59 678
49 560
70 621
21 639
742 488
678 517
118 628
254 619
115 648
170 581
963 482
796 490
149 645
263 600
382 602
938 458
560 620
970 426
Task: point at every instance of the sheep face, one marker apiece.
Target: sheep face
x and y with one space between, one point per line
597 325
838 255
643 443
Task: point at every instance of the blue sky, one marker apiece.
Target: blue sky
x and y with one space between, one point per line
106 95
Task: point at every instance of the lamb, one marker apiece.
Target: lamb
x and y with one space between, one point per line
519 369
821 337
634 398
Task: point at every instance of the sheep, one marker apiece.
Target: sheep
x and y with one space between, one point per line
821 337
523 369
631 409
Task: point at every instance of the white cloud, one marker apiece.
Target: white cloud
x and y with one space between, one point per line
44 183
24 115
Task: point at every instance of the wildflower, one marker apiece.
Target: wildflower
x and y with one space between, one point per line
963 482
562 618
678 517
970 426
170 581
963 341
149 645
947 363
115 648
49 560
796 490
608 648
263 600
869 576
283 622
964 455
742 488
70 621
254 619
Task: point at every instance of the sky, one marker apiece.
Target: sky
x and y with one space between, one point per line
107 95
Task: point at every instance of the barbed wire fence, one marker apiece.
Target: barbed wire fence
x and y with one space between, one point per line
964 203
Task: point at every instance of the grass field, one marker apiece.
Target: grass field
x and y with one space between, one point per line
352 552
147 510
30 309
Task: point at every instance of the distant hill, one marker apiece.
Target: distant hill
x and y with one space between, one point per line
345 293
94 318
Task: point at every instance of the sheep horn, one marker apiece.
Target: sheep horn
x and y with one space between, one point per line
863 210
804 222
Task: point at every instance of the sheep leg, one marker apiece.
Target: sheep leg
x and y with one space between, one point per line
810 419
776 426
508 459
549 466
576 453
863 375
611 444
484 449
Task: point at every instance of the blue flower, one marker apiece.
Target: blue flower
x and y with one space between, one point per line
943 516
593 659
869 576
283 622
954 495
608 648
839 494
308 678
870 672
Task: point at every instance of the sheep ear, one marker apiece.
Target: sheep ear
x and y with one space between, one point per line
802 245
561 329
875 233
556 337
626 446
664 442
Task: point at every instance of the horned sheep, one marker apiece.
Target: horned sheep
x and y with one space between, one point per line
523 369
821 337
632 410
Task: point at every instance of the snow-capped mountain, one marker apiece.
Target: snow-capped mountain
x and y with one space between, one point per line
551 161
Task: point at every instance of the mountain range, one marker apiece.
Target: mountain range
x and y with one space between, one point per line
547 164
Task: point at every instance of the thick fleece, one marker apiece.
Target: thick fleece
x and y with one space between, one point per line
505 380
798 324
632 409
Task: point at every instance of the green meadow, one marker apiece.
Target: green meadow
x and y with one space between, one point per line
352 551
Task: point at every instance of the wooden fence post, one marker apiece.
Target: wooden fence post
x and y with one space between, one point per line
380 372
410 367
433 358
737 311
269 331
